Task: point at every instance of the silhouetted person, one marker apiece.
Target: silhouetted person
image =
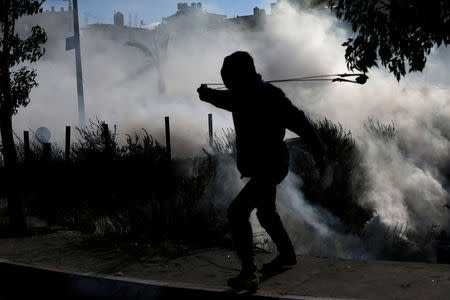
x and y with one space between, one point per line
261 114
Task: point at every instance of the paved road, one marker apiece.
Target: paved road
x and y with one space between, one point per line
315 277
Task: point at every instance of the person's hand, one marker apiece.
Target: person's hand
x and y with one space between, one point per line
204 92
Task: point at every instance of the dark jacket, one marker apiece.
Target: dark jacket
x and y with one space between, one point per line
261 116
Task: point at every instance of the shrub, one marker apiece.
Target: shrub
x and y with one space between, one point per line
225 144
380 130
129 191
350 180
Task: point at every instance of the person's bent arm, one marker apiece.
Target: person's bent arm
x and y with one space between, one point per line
220 99
298 122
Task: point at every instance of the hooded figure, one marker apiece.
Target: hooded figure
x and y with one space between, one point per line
261 113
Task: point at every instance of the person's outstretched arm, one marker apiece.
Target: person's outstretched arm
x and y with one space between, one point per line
220 99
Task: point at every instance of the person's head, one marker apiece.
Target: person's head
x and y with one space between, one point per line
238 71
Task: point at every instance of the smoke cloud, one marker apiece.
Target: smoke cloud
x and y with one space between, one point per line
409 176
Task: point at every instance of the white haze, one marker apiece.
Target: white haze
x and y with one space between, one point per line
407 181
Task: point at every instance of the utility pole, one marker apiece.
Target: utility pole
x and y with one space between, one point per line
210 130
73 42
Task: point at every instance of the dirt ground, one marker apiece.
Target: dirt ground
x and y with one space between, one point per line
320 277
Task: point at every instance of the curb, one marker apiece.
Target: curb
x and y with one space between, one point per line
21 280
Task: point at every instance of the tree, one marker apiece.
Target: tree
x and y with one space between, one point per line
155 52
399 33
17 81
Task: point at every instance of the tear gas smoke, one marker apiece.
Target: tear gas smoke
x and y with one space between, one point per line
409 176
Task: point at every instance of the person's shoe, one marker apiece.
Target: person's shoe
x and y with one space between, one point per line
246 280
280 263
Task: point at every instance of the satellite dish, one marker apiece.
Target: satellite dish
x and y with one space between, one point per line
42 135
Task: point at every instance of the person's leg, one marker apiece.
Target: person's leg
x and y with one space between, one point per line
241 230
270 220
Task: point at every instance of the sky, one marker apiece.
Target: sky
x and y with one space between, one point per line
151 11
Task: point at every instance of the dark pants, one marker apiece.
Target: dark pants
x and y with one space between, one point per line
259 193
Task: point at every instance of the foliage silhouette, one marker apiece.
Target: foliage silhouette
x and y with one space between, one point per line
16 85
400 33
126 191
350 180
